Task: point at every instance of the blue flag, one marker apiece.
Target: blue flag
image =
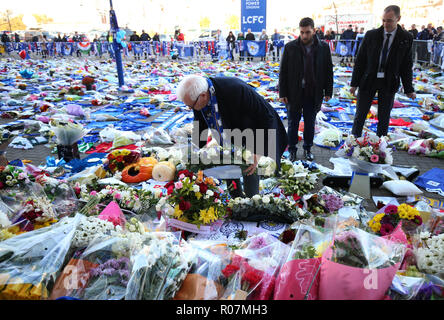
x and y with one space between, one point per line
255 48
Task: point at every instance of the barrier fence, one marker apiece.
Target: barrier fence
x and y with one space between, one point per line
423 51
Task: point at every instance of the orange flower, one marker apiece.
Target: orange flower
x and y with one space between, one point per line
209 181
199 176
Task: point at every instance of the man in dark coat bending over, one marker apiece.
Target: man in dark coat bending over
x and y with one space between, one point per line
231 108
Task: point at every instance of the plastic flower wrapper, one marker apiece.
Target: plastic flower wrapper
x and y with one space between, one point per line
299 277
266 207
358 265
159 270
347 198
102 270
368 154
405 288
394 222
29 209
253 269
67 132
31 262
203 281
90 228
156 136
61 195
329 137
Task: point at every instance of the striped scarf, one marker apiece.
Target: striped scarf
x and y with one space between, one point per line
211 112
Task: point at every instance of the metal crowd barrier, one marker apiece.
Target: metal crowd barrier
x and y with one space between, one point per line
423 51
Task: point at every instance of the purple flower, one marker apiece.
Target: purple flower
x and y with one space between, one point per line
108 272
124 274
258 243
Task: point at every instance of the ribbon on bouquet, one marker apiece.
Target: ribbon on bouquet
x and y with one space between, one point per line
194 228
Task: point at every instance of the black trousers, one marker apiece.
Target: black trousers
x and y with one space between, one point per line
364 102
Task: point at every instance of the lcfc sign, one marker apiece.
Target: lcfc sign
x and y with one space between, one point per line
253 15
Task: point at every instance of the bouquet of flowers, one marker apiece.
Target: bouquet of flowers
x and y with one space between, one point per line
359 265
90 228
203 281
100 271
329 137
88 82
253 268
135 200
266 207
369 148
193 199
297 178
60 194
159 270
385 222
67 132
12 176
429 253
31 262
119 159
299 277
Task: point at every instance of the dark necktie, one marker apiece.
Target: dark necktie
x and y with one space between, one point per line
384 52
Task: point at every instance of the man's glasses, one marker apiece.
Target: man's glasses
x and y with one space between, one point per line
195 102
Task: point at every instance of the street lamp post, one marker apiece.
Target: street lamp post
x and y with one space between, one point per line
117 46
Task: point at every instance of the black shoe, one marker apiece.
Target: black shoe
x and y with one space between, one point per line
293 156
308 155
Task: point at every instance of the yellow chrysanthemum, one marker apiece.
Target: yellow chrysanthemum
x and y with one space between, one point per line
208 216
177 212
403 214
376 227
379 217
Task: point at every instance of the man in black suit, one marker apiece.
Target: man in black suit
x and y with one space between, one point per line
384 58
250 37
225 104
305 78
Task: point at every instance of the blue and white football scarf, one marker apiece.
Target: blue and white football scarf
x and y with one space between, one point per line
211 113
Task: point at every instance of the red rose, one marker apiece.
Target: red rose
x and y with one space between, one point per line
184 205
252 278
1 185
229 270
119 159
234 185
170 189
186 173
296 197
203 188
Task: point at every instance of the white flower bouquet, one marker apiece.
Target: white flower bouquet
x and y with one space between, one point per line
159 270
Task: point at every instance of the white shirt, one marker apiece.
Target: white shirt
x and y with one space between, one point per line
393 33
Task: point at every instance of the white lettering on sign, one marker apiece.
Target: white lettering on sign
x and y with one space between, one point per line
253 4
252 19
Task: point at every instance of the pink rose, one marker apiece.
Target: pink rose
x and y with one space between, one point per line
178 185
117 196
93 193
374 158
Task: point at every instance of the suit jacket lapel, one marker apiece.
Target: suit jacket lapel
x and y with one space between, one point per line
379 43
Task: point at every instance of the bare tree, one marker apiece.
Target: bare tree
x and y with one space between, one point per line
336 18
7 17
